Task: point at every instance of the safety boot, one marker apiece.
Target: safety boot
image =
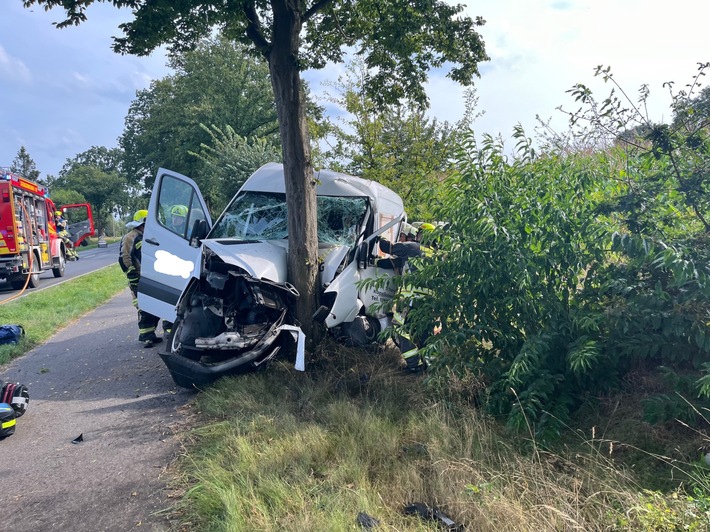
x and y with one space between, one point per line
149 339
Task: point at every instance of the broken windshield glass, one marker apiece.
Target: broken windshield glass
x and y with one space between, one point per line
262 216
340 219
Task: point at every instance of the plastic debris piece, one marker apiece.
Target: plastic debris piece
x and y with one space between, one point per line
423 511
367 521
79 438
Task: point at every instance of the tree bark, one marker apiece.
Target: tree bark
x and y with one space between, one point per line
300 183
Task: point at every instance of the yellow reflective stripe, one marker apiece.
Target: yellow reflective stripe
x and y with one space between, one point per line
8 424
397 318
404 334
147 330
411 353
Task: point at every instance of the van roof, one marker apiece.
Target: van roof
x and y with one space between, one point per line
270 178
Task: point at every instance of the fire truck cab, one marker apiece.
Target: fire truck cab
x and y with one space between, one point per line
29 242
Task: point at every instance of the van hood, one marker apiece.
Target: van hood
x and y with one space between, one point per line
268 259
261 260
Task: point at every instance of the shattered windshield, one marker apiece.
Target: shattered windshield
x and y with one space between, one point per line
262 216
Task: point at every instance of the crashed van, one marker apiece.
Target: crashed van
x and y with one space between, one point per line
224 285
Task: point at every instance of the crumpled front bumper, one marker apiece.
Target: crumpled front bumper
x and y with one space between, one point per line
195 374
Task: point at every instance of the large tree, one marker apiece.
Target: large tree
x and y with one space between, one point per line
400 41
105 191
24 165
216 85
96 174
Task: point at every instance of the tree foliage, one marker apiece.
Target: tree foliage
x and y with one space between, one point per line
106 159
66 197
397 146
216 85
663 169
229 159
25 166
96 176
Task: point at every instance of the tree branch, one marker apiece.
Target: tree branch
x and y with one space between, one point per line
315 8
254 28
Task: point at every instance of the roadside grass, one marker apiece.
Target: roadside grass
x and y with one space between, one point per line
43 313
289 451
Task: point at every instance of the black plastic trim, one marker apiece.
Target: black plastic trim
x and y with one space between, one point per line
159 291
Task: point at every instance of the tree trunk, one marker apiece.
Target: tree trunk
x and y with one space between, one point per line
298 169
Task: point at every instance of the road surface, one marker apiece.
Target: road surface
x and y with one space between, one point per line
89 261
94 379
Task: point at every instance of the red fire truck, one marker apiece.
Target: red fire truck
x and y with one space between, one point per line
29 243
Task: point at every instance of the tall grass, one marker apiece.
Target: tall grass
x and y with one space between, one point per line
43 312
281 450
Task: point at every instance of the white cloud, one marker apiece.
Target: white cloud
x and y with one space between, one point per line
540 49
81 79
13 70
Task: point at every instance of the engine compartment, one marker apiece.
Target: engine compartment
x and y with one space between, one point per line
228 313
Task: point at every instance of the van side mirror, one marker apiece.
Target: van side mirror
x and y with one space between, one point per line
199 231
363 255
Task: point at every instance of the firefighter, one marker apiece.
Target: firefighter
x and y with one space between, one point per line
408 247
130 261
63 233
178 216
59 221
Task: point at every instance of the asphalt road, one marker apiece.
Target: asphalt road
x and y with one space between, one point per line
94 379
89 260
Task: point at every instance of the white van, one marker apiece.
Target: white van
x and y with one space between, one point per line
224 285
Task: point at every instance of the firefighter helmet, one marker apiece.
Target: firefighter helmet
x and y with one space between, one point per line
178 210
57 213
408 229
140 216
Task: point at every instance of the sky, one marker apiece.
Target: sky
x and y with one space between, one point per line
63 91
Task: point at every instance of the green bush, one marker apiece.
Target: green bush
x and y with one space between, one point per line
521 237
545 294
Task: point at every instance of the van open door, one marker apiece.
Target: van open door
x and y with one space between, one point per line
170 257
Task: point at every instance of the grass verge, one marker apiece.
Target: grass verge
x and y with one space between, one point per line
288 451
43 313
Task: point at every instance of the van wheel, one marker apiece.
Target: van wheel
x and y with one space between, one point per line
59 270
